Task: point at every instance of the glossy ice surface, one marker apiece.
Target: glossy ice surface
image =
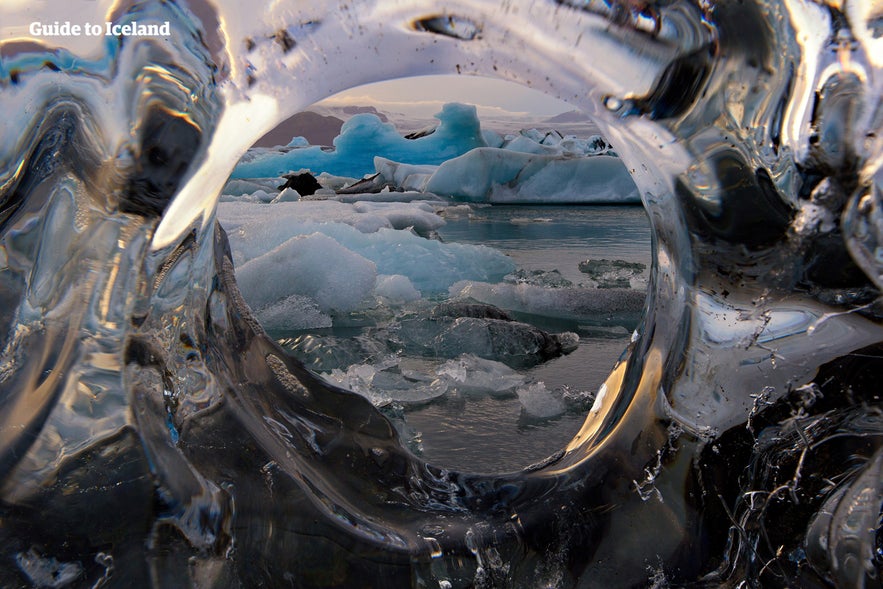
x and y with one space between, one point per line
150 433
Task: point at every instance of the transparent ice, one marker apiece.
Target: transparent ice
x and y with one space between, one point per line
152 434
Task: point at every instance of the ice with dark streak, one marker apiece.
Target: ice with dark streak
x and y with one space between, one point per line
152 435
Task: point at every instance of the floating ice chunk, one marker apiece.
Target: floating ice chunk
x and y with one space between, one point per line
335 182
568 341
546 278
365 229
257 196
419 216
525 144
396 288
239 187
492 138
594 145
300 266
612 273
385 381
469 309
292 313
511 342
471 374
407 196
299 141
404 176
287 195
534 135
537 401
257 229
503 176
457 211
582 304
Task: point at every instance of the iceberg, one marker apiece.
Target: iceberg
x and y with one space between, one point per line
365 136
526 168
504 176
152 433
328 237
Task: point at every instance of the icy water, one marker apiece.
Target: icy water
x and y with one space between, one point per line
489 434
479 431
557 237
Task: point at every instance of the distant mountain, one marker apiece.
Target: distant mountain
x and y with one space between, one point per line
571 116
318 130
356 110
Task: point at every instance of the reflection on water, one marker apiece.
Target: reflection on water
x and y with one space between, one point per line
494 434
150 431
545 238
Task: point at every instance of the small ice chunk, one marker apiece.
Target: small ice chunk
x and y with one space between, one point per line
403 176
472 374
261 196
524 144
335 182
511 342
419 216
396 288
250 186
364 229
538 401
292 313
300 266
582 304
384 382
492 138
287 195
611 273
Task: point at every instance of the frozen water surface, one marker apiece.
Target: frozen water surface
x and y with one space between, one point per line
152 434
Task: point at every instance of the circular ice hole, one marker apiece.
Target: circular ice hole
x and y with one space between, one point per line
444 377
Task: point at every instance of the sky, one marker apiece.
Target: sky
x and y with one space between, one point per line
424 96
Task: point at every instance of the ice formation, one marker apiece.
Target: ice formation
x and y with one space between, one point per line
352 254
452 161
615 306
151 433
365 136
504 176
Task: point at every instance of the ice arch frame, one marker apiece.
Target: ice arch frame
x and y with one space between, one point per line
724 133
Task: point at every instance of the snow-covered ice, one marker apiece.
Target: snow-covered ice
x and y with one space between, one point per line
342 255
